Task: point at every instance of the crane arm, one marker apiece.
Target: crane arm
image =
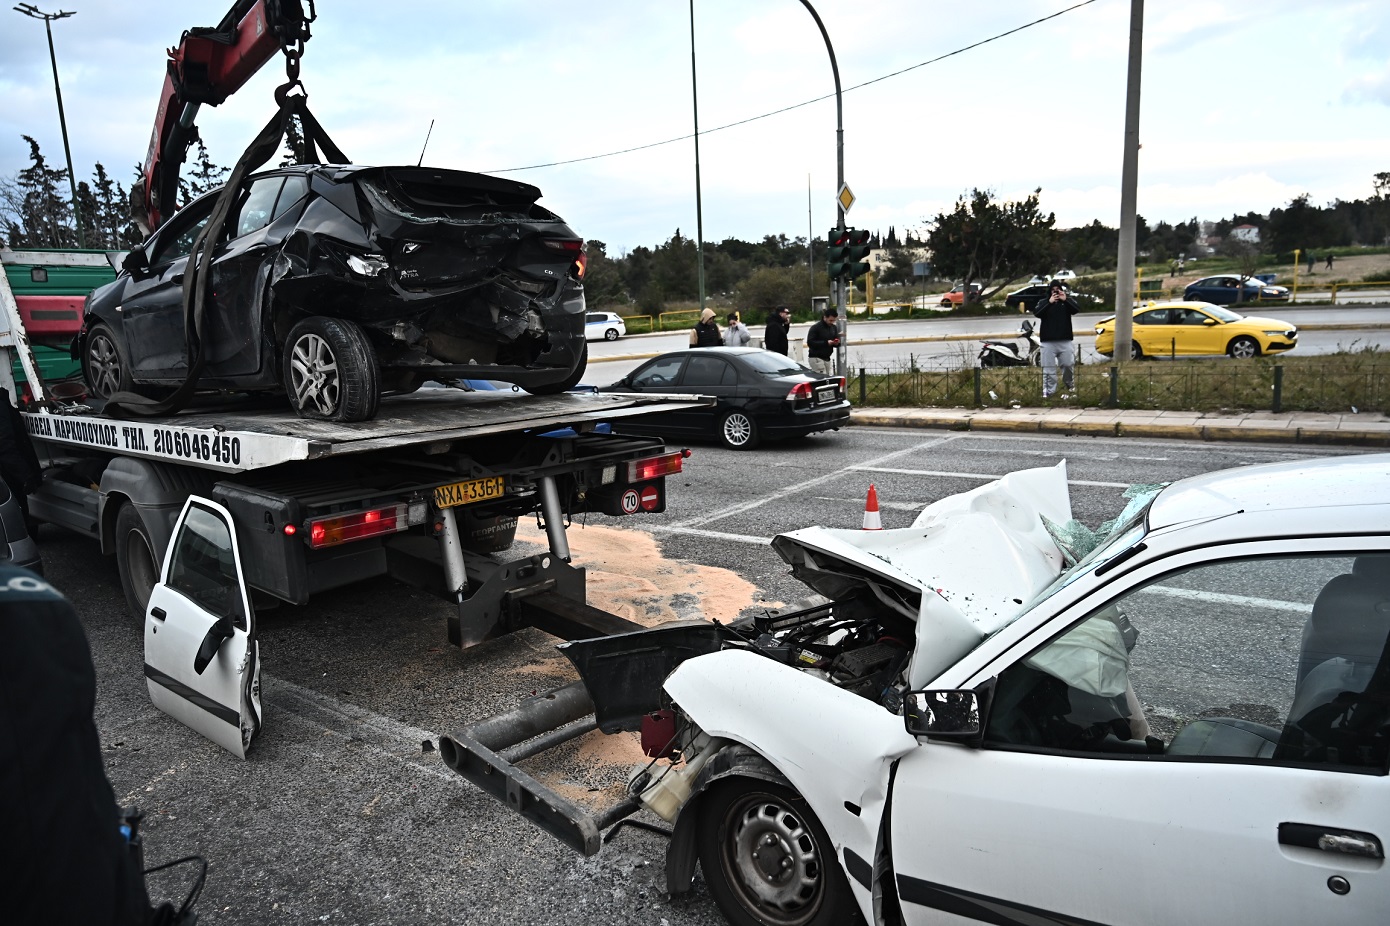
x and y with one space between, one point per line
209 65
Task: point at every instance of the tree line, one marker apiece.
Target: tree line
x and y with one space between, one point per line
980 239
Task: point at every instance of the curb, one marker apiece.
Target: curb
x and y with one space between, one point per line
1208 432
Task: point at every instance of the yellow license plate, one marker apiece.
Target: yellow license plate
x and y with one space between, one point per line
466 493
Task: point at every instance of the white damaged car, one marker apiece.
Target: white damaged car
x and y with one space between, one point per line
1188 724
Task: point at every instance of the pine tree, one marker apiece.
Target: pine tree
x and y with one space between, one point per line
205 175
113 209
89 235
294 143
45 214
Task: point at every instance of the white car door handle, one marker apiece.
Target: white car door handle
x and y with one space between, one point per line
1331 839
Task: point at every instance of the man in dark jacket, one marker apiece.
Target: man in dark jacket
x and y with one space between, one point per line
822 340
65 859
1055 333
778 324
707 333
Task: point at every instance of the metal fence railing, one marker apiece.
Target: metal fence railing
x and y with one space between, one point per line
1325 387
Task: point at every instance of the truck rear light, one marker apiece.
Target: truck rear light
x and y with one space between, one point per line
328 532
653 467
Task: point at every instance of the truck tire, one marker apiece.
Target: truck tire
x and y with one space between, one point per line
569 382
136 560
331 370
767 860
104 364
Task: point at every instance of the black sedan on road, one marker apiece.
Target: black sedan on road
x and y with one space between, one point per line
334 284
760 395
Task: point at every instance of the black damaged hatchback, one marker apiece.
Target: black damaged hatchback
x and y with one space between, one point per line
336 284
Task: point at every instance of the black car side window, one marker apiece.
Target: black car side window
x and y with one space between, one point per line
291 195
182 232
661 372
707 371
259 205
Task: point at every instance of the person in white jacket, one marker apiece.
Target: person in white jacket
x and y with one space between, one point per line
736 332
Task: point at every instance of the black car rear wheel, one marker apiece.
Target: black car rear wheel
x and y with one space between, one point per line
331 371
104 365
738 430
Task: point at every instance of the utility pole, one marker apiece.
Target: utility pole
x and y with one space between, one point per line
811 247
1129 184
699 215
33 12
839 183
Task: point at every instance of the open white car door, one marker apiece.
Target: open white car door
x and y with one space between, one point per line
201 660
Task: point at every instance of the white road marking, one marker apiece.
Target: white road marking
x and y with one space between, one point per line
933 472
712 535
798 488
1192 594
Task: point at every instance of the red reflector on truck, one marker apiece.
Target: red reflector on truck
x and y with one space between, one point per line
328 532
652 467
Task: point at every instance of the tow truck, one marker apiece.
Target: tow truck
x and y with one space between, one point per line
235 505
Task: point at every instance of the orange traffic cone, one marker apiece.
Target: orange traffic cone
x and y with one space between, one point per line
871 521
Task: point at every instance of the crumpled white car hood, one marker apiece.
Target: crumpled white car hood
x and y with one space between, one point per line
962 570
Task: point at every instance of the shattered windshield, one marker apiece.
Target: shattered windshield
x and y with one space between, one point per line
1125 535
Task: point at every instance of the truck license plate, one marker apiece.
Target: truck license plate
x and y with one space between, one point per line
468 492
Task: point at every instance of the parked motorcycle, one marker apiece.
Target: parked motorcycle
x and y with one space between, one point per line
1009 354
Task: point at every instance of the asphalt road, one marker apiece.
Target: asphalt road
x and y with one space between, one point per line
340 816
903 345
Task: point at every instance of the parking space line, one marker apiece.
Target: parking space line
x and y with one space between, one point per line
1192 594
710 535
933 472
800 487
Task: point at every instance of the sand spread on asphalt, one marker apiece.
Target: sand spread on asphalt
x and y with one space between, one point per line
627 576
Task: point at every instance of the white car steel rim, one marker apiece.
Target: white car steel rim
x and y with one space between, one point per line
105 365
773 859
738 429
314 374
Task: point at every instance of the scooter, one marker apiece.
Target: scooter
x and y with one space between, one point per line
1008 354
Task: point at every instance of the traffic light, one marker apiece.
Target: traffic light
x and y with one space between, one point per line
848 252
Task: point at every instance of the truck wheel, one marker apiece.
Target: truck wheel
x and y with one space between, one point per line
136 560
331 371
1243 348
738 430
767 860
569 382
104 365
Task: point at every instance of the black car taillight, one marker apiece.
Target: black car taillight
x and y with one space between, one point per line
800 391
573 247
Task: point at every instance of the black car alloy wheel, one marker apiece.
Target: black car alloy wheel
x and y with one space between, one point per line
738 430
331 371
105 367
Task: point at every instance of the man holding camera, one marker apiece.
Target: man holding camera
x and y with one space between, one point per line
1054 331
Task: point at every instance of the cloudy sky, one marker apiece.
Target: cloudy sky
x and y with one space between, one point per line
1245 105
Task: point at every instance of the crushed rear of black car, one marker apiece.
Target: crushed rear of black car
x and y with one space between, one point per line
338 283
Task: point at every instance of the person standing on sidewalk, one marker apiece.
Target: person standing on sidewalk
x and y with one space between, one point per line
706 332
822 340
1054 331
778 324
736 334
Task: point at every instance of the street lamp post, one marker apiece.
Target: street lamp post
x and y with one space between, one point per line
839 181
33 12
699 214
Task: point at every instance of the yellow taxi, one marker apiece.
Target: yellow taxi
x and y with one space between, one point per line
1187 329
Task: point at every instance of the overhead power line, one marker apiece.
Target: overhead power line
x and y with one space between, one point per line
786 109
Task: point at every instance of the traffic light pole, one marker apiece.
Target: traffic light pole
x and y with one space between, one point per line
837 283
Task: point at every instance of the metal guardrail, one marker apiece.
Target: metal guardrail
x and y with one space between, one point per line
687 317
639 324
1336 287
1175 387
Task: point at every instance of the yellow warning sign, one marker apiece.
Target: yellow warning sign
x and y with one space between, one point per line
846 197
